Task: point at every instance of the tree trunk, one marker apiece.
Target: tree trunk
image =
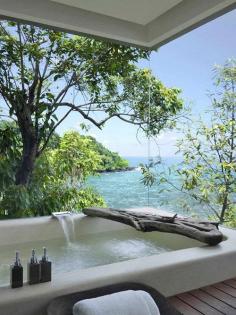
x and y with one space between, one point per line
30 149
206 232
224 206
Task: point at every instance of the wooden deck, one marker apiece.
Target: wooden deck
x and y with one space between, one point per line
216 299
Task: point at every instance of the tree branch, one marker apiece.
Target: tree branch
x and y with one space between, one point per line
33 86
21 58
102 122
51 132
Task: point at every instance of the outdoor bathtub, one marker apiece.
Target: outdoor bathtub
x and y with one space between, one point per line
168 262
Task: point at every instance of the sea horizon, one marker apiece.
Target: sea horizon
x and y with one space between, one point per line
135 161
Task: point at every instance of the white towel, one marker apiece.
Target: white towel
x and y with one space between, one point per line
122 303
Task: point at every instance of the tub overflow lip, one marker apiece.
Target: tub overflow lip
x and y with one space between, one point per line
62 213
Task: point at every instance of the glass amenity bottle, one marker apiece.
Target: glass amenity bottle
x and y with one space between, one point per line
45 267
16 271
33 269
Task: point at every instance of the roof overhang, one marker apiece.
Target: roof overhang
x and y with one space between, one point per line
143 23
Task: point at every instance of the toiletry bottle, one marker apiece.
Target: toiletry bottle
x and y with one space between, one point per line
33 269
16 273
45 267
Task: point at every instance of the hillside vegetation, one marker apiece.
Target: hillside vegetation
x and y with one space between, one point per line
110 161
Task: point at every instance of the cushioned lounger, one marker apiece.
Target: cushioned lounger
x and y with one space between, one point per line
63 305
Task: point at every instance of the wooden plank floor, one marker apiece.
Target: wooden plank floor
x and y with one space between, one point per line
216 299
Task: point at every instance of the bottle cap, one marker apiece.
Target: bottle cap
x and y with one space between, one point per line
33 258
44 258
17 259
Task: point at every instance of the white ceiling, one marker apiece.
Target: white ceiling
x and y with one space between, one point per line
143 23
136 11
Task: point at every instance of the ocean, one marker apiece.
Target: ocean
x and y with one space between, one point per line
125 190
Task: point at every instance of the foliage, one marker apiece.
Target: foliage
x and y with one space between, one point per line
208 170
20 201
149 177
43 71
10 152
75 158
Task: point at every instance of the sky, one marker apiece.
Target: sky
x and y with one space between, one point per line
186 63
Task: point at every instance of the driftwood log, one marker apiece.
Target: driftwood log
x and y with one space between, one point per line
203 231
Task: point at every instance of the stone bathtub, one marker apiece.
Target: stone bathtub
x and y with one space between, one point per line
170 263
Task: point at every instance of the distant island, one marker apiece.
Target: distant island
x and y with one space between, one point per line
127 169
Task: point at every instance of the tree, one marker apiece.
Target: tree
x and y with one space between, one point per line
43 71
75 158
58 177
208 170
109 160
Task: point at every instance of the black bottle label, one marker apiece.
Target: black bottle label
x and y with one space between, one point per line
16 276
46 271
33 273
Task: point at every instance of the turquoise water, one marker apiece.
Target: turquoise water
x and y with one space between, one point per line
124 190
